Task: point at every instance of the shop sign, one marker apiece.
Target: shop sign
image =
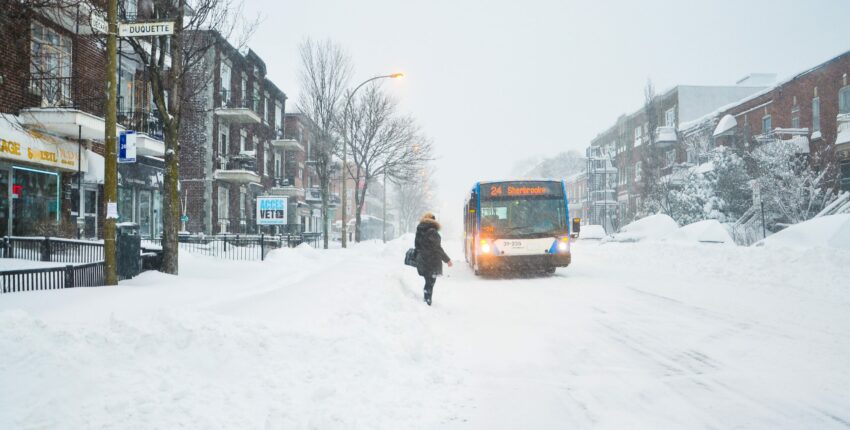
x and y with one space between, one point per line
271 210
33 147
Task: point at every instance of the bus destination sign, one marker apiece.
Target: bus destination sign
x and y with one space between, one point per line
521 189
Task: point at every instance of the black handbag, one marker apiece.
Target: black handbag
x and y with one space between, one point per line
410 257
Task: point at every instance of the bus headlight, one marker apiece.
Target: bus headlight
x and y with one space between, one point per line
564 244
485 247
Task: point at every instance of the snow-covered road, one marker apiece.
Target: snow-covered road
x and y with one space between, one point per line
631 335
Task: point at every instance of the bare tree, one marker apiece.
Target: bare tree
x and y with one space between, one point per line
325 69
414 196
381 142
176 72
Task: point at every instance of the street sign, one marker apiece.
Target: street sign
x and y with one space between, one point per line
184 218
127 147
140 29
271 210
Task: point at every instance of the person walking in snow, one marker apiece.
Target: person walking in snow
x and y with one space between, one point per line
430 255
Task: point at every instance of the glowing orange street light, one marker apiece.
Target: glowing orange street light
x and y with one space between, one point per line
397 75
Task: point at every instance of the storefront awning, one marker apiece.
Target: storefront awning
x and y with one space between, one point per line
20 144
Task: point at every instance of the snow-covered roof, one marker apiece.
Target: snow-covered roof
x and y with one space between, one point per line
726 124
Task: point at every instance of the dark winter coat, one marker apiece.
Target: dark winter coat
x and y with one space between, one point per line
430 255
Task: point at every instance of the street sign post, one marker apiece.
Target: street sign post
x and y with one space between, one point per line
127 147
271 210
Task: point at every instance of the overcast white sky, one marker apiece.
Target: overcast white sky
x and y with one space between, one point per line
495 81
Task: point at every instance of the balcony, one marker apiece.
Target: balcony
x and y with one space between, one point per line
149 130
237 176
665 137
286 143
313 195
242 111
842 139
287 187
60 108
237 171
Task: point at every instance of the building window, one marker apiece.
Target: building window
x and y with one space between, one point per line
266 111
638 171
277 164
795 117
638 132
224 137
245 90
224 74
670 117
670 157
130 9
51 65
766 124
243 140
692 156
223 203
816 114
242 204
844 100
278 113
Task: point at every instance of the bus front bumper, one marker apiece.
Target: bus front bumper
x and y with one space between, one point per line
524 262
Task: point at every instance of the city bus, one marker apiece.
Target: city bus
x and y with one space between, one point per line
518 226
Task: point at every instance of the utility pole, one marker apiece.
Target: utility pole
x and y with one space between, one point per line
110 186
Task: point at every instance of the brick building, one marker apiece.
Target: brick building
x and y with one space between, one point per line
811 108
229 140
624 145
52 100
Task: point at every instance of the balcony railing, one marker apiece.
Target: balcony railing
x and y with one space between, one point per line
231 99
66 92
142 121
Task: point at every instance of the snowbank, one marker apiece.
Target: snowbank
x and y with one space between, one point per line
653 227
831 231
592 231
706 231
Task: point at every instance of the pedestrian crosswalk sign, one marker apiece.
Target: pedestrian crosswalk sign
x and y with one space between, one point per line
271 210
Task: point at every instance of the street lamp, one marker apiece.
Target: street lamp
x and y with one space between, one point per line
345 150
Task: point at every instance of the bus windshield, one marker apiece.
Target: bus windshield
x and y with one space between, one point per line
523 217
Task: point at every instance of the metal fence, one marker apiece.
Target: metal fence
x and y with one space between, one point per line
51 249
51 278
238 247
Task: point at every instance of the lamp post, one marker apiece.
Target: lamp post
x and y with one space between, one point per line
345 150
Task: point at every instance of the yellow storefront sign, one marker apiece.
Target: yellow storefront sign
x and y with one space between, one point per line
20 144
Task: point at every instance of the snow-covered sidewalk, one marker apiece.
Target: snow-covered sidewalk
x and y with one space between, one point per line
643 335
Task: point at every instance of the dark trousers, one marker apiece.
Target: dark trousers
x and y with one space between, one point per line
430 280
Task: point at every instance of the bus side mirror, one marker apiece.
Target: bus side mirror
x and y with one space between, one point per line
576 226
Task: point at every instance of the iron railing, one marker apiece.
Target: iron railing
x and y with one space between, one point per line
67 92
231 99
51 249
238 247
142 121
52 278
